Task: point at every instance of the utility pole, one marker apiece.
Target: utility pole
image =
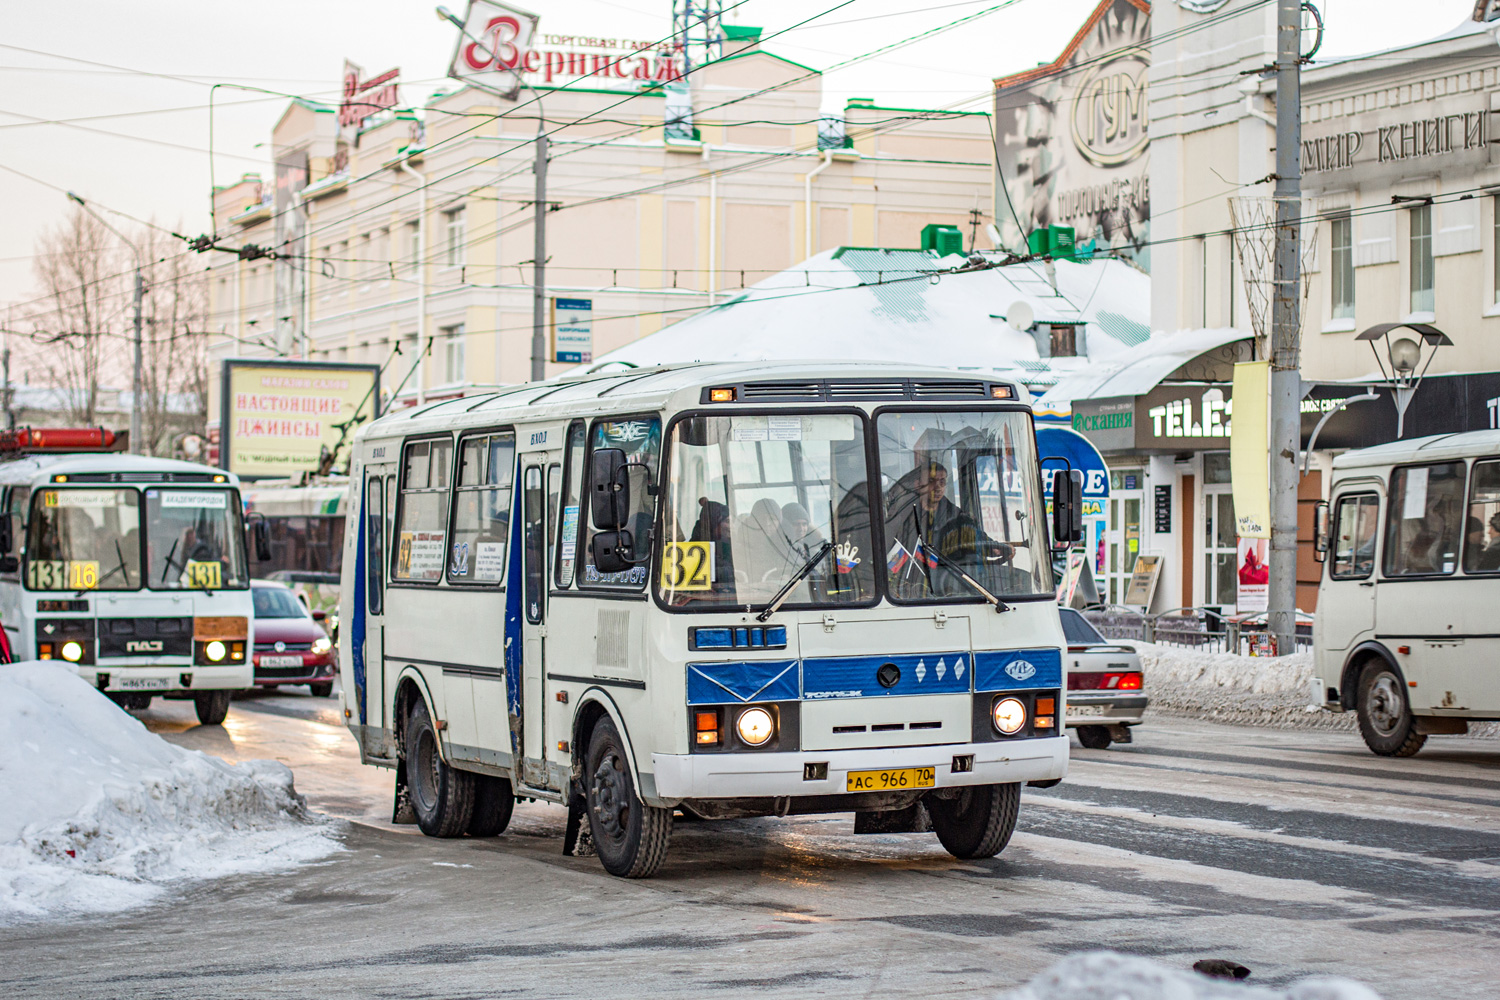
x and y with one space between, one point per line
140 292
539 260
1286 328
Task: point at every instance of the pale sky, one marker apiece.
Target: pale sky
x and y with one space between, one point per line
169 52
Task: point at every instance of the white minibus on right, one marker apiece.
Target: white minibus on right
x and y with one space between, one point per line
1408 631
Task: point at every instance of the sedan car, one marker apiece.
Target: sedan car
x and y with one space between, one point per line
1106 689
290 644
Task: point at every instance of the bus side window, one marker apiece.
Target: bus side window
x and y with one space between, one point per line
640 439
481 508
567 549
1482 547
422 515
375 539
1424 520
1354 521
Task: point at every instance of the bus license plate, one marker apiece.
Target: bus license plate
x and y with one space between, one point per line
290 660
141 684
883 781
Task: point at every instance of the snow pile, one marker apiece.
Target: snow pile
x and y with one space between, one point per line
1228 671
99 812
1105 975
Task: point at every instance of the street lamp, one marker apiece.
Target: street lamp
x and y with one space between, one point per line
539 250
140 292
1402 365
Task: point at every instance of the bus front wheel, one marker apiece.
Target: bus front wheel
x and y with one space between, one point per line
441 796
977 820
1385 719
212 706
630 837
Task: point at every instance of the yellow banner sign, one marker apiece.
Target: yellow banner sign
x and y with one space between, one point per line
1250 449
278 417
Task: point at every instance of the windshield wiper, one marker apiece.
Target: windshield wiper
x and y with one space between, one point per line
786 589
168 564
120 554
1000 606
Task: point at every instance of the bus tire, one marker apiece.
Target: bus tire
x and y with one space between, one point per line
441 796
212 706
977 821
629 836
1094 737
494 801
321 690
1385 719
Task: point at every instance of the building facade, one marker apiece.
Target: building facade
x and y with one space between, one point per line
415 230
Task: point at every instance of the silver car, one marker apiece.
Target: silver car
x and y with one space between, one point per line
1106 689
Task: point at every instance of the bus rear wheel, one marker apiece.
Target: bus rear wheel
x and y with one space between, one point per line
1385 719
977 821
630 837
212 706
441 796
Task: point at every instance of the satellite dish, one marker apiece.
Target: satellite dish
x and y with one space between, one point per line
1020 316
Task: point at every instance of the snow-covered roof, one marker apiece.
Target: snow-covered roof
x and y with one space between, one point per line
1142 369
895 305
1425 449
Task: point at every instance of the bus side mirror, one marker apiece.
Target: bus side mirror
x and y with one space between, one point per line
609 491
612 551
1320 531
1067 507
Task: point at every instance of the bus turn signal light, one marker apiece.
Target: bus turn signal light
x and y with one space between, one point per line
706 728
722 395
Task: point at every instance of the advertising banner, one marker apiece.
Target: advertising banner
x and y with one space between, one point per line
1254 576
1250 449
1071 136
281 418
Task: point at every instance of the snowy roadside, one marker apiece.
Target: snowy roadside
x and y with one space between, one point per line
1106 975
1277 692
101 815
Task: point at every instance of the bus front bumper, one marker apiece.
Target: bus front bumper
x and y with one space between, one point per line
161 678
748 775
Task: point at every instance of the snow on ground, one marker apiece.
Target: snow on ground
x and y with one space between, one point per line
1106 975
100 814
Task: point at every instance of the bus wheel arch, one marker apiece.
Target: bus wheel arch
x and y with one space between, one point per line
1354 667
411 687
593 705
1382 703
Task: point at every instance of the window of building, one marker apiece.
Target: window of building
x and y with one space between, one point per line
422 522
453 255
411 244
481 508
1422 298
1342 253
453 352
1423 521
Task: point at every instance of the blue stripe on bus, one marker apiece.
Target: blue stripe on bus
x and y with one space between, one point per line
357 625
513 639
855 676
1002 670
756 680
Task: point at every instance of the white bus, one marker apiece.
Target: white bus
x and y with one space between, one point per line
133 569
729 590
1406 634
304 532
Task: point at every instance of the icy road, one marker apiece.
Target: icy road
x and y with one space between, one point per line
1294 853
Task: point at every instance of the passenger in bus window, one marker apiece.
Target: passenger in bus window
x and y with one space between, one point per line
798 530
713 526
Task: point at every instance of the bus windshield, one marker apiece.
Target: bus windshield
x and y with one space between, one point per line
751 500
84 539
194 540
960 496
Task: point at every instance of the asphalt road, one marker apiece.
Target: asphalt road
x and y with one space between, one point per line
1295 853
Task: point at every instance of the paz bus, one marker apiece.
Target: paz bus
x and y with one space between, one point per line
1410 541
132 569
723 590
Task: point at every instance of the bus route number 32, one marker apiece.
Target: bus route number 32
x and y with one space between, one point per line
687 566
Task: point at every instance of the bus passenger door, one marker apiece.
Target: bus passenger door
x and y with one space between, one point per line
370 656
1346 603
535 558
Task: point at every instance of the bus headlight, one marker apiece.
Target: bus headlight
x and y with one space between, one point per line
72 651
322 644
215 651
755 726
1010 716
